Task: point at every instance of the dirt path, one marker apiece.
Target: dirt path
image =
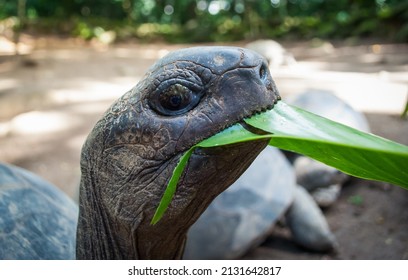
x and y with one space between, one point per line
48 106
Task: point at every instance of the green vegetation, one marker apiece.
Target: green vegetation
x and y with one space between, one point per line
356 200
357 153
213 20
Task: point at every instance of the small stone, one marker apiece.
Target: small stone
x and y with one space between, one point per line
325 197
388 241
379 220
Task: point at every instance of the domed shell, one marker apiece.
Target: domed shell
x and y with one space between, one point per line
38 221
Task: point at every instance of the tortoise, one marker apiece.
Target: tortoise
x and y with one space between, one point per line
322 181
129 156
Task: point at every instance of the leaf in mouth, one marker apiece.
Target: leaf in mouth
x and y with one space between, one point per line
231 135
354 152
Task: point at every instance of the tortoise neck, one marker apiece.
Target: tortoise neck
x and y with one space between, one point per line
101 236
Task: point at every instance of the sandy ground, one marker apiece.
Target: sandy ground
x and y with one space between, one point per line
51 97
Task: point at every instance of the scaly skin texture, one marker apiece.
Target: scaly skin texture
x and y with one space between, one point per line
129 156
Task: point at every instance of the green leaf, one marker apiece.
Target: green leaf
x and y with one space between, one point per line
354 152
171 187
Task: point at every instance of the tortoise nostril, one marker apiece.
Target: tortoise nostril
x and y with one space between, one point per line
265 76
263 72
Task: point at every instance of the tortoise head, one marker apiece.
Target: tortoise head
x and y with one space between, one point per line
128 158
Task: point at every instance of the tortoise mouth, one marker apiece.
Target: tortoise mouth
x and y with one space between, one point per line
248 127
216 150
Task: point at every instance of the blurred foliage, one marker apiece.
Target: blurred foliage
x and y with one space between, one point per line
215 20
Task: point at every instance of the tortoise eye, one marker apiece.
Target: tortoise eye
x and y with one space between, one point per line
175 100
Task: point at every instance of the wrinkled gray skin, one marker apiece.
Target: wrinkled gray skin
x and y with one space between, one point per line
130 154
37 220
